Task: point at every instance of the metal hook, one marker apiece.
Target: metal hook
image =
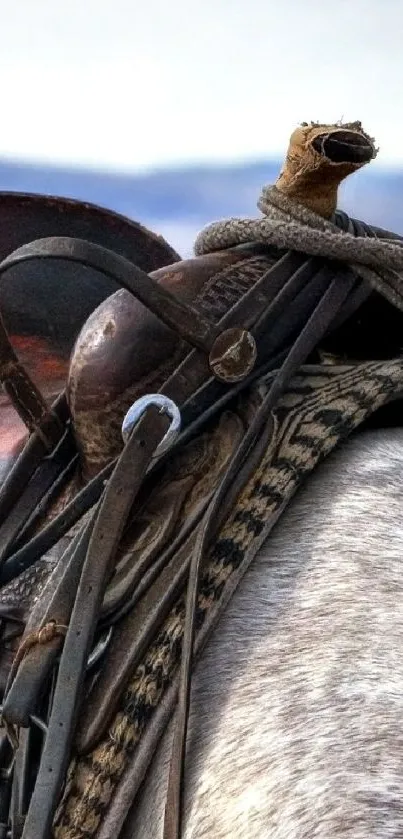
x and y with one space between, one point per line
166 406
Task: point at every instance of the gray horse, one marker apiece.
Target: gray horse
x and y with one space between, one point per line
297 701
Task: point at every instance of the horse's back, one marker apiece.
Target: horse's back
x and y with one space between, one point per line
297 701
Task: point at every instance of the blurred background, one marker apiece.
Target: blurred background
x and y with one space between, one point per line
175 114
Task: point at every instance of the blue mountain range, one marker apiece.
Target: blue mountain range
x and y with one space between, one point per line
178 202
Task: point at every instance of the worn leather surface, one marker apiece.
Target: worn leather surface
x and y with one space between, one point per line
54 301
124 351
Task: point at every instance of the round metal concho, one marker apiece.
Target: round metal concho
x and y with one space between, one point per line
233 355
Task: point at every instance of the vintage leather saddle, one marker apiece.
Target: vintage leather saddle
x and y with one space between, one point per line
99 534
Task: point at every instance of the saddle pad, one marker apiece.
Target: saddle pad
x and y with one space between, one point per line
322 406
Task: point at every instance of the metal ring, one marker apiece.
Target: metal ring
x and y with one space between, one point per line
166 406
100 648
41 724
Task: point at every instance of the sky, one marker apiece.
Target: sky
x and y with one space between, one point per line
134 84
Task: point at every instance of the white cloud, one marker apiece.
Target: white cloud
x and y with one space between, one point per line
130 84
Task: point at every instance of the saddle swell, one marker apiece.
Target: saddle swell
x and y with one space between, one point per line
124 350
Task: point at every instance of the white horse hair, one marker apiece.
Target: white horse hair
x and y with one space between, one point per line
296 728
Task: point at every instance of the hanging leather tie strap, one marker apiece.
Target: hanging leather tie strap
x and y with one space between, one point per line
39 637
109 521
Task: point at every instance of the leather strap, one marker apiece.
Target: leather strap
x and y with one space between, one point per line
26 682
190 324
119 496
37 495
160 576
25 396
52 533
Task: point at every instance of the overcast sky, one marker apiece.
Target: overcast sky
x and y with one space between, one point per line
134 83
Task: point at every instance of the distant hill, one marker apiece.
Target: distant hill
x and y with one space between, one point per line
178 203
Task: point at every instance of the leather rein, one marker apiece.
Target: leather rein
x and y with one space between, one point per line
272 329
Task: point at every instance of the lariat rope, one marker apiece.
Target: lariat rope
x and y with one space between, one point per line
287 224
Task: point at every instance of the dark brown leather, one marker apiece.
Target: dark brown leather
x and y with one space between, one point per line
36 300
25 396
110 360
98 564
109 355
